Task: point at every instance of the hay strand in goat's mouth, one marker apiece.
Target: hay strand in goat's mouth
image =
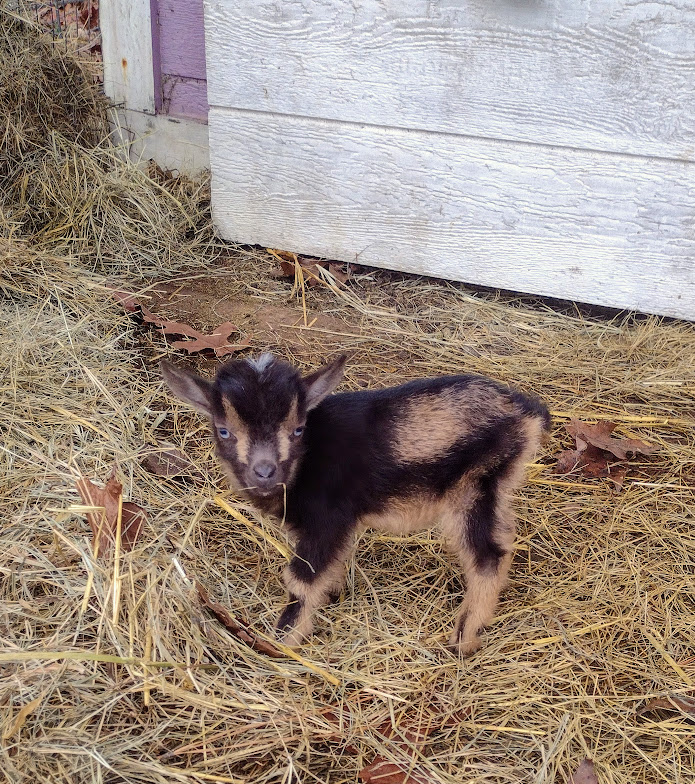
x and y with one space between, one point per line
591 653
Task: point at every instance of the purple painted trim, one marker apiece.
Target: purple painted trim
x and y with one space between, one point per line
185 97
156 56
182 38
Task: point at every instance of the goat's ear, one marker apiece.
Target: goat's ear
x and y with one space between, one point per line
193 389
323 381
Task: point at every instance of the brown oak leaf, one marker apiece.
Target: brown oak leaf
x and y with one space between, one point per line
310 267
596 451
104 521
169 461
217 341
414 733
599 435
236 627
382 771
337 272
127 299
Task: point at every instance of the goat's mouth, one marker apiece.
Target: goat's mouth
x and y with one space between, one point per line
264 491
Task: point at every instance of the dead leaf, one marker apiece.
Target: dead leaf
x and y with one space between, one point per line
217 341
237 628
21 717
414 732
338 274
617 476
596 450
382 771
411 731
104 521
585 774
127 299
89 16
599 435
132 521
567 461
169 461
311 267
332 715
283 254
681 702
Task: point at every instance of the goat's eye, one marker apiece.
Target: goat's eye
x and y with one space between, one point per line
224 433
298 432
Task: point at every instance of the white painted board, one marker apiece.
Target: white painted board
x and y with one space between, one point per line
177 144
591 74
594 227
126 33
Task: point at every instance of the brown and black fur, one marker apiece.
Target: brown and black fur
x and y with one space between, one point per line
444 451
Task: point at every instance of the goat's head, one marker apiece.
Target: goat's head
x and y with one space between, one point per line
258 410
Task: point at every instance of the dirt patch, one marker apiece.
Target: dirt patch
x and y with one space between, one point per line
282 327
272 318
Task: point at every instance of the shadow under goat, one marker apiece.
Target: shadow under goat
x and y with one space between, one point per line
445 451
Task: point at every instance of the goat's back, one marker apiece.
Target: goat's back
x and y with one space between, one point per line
364 450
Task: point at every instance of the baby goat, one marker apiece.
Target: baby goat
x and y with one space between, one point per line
447 450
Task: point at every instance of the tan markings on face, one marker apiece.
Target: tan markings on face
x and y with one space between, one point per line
405 516
238 428
288 425
431 424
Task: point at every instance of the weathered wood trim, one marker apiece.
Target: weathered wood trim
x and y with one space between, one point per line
176 144
126 31
608 229
182 34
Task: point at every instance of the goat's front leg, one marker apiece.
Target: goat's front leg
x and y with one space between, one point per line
314 576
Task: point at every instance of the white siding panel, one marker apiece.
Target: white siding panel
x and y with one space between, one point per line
597 74
594 227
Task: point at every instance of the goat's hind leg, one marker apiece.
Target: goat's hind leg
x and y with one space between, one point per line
483 536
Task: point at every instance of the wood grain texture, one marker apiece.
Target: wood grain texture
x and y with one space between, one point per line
593 227
183 97
126 34
182 38
591 74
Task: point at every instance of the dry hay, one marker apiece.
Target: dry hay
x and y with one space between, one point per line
65 185
121 676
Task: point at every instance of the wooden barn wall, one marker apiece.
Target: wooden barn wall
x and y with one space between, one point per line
181 67
132 59
127 51
546 147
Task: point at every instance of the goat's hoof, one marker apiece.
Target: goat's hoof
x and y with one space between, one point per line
290 638
460 647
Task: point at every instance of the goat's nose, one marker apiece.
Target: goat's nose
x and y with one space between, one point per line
265 469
